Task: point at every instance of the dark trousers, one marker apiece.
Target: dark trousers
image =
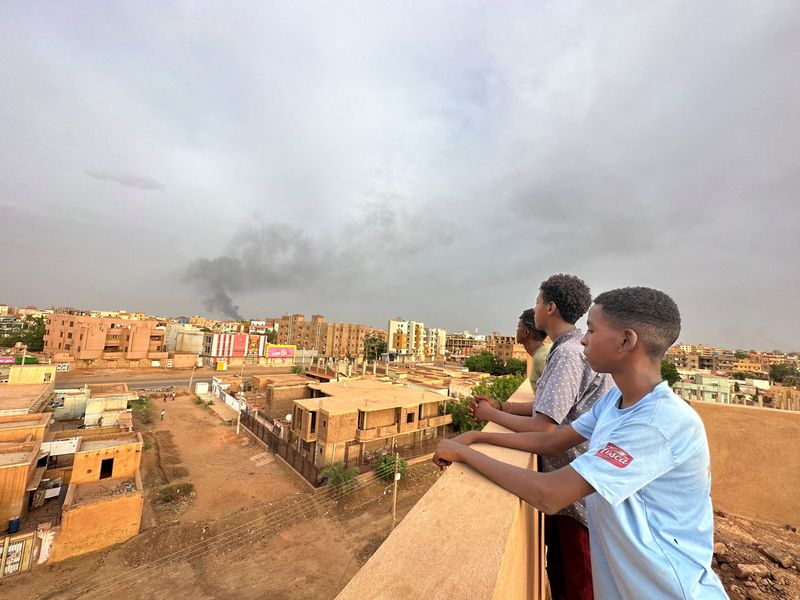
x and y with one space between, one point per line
569 564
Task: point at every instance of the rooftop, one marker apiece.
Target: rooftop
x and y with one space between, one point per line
109 441
367 395
24 421
107 488
18 454
22 396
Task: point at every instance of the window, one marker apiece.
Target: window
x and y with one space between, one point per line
47 377
106 468
313 422
410 417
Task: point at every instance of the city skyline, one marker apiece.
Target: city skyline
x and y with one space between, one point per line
426 162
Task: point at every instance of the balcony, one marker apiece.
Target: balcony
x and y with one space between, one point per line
500 547
442 420
387 430
363 435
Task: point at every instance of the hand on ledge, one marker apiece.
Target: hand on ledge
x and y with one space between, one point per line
447 452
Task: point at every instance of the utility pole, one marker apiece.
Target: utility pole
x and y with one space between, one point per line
191 377
394 489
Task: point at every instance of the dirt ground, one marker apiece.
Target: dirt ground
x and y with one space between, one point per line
757 561
219 525
231 527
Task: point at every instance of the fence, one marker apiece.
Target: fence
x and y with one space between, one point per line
16 554
297 459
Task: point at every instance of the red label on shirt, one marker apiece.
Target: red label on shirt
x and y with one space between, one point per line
615 455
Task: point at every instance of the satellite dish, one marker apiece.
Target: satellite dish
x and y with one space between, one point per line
289 418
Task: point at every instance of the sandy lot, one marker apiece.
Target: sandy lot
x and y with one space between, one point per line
250 529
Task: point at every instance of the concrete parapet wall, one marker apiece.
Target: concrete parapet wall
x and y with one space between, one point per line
755 466
486 542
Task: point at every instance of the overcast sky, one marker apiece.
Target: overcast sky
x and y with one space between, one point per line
430 160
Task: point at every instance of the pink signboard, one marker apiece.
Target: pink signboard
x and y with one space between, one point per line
7 360
280 352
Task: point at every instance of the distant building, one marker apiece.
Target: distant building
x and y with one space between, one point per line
329 339
406 339
435 343
506 347
107 339
462 345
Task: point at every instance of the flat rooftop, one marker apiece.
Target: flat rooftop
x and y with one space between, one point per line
24 396
119 439
98 490
18 454
25 421
344 397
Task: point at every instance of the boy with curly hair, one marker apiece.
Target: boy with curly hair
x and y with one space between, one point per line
645 477
568 387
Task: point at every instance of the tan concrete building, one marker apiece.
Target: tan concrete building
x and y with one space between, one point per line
31 374
21 399
349 419
89 338
329 339
505 347
785 398
18 469
462 345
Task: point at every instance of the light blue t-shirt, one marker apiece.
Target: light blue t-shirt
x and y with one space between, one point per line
651 526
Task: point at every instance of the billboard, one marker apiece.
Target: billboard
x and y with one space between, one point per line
280 351
7 360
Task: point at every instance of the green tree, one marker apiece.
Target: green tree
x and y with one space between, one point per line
340 476
485 362
31 334
501 388
272 336
670 373
461 420
515 366
385 467
741 355
373 347
298 370
779 372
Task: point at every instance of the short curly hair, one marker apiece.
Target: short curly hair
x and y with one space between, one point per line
652 314
530 324
570 295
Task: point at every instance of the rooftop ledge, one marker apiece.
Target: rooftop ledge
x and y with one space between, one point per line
465 538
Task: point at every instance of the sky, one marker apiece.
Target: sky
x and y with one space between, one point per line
427 160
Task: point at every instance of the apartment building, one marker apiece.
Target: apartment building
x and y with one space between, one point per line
83 337
435 343
329 339
461 345
505 347
406 338
347 420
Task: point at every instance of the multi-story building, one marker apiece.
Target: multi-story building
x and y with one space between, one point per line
241 347
706 388
183 339
435 343
347 420
336 340
3 310
90 338
406 338
505 347
461 345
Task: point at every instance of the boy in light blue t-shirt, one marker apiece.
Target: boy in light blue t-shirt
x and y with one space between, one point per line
646 474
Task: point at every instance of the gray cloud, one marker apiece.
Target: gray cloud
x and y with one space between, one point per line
134 181
426 162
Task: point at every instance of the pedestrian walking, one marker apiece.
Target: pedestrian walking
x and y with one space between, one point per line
163 412
173 396
165 397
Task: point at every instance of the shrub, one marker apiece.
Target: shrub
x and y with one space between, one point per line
338 475
174 492
385 467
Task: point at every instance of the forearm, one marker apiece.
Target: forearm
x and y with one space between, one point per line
519 421
528 485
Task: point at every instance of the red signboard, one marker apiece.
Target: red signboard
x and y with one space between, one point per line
239 344
7 360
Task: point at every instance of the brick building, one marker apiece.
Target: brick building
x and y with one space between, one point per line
336 340
81 337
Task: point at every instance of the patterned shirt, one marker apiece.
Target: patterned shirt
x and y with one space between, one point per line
568 388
